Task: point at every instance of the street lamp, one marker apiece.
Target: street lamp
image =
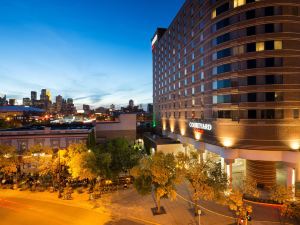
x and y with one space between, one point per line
199 213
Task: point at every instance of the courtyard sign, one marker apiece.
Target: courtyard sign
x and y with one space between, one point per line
203 126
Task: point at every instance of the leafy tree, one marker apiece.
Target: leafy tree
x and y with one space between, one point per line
77 161
123 155
158 174
236 203
8 160
99 161
206 179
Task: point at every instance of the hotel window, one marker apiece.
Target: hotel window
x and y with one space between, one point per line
224 114
193 55
215 99
185 71
268 114
185 81
269 11
251 80
193 102
201 75
222 69
193 68
251 97
237 3
221 39
296 113
251 31
214 14
185 92
223 53
202 88
270 96
250 14
201 50
277 45
201 62
221 9
260 46
251 47
193 90
251 63
252 114
215 85
222 24
238 50
269 62
193 79
269 28
201 36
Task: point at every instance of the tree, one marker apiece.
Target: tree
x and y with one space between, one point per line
99 161
123 155
157 173
236 203
8 160
77 161
207 180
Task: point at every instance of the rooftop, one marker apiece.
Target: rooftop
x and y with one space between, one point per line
18 108
72 126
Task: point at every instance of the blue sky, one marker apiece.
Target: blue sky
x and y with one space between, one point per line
95 51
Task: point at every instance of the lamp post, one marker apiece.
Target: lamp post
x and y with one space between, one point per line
199 213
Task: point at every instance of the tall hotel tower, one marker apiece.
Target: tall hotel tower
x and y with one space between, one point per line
226 81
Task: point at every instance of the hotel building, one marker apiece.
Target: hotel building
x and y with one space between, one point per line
226 81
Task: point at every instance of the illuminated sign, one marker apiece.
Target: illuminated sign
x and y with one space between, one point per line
202 126
154 39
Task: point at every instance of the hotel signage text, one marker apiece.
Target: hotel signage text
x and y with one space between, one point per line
203 126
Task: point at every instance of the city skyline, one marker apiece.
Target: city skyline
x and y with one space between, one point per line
76 53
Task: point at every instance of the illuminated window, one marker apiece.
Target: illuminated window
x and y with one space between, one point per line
260 46
193 102
278 45
214 14
237 3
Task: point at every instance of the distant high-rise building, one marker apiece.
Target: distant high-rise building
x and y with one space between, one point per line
131 103
150 108
26 101
59 103
45 95
86 108
12 101
69 101
3 101
33 96
112 107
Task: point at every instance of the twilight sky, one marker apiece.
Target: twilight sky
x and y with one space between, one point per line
96 51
